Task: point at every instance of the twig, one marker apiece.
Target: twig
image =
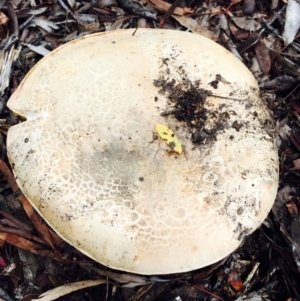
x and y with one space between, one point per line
169 12
247 283
13 17
66 8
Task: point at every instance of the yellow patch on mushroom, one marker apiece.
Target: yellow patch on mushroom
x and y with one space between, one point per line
167 134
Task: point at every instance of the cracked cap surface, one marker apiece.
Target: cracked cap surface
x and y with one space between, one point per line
89 159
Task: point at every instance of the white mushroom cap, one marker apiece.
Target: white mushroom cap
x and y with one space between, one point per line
89 159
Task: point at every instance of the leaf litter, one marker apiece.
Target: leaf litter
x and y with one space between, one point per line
264 35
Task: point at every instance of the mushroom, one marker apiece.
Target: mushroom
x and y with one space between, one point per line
90 160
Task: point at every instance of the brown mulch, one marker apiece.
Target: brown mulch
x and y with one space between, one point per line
267 265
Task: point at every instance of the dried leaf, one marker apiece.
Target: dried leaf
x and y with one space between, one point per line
164 6
6 61
129 6
88 23
263 57
142 23
233 28
292 21
9 269
14 221
295 139
248 7
274 4
283 130
38 11
227 10
45 24
3 262
154 291
27 245
280 83
31 213
296 164
67 289
3 19
237 285
87 18
14 23
2 2
231 45
167 134
215 11
29 297
296 105
72 3
107 3
118 23
295 234
292 208
223 23
127 280
247 23
38 49
30 265
283 196
251 41
18 232
16 3
195 27
282 65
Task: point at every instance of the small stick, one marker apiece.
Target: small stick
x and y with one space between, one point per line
225 97
167 15
135 30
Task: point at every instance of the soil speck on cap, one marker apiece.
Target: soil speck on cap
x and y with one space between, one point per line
188 104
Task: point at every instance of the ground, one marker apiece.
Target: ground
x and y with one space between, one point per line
267 265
